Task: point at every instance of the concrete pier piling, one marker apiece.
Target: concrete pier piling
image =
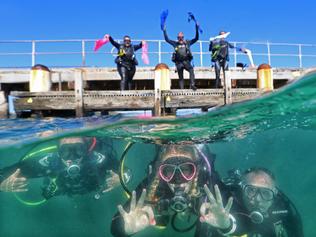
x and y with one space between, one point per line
3 105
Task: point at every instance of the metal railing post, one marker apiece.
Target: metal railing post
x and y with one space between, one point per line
33 52
159 51
269 53
201 54
235 54
300 55
83 52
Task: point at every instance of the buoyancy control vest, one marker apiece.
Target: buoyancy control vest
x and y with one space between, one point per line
126 55
182 53
219 50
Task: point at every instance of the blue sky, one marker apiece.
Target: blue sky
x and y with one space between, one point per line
274 21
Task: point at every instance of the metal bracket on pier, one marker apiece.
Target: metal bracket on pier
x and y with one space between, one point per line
79 92
228 98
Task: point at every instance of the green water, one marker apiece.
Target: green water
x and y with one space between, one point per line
277 132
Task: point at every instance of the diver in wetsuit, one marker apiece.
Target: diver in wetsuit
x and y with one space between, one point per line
79 166
182 55
178 186
219 49
126 60
263 210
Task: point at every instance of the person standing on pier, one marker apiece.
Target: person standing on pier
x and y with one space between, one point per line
126 60
219 48
182 55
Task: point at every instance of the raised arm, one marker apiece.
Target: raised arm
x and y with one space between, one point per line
169 41
196 38
114 43
138 46
232 46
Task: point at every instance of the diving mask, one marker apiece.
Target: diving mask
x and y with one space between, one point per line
187 170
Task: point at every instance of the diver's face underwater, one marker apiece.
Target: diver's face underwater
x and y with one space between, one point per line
177 170
259 192
72 154
178 173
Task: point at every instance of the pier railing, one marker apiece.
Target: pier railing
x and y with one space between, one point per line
79 53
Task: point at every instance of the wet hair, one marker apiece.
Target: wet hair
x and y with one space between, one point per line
71 140
259 170
184 151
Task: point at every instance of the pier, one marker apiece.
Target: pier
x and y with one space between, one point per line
83 90
90 87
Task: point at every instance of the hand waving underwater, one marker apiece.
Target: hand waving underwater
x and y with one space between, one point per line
111 182
139 216
14 183
213 212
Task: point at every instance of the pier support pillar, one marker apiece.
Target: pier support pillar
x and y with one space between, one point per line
265 77
162 82
40 79
3 105
79 93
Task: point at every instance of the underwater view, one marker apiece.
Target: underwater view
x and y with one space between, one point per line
247 169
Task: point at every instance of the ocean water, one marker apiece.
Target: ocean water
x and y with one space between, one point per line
277 131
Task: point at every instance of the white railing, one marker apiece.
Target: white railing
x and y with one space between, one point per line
79 53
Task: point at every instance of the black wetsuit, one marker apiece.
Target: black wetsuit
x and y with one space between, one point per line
283 220
163 214
182 57
126 63
91 176
220 57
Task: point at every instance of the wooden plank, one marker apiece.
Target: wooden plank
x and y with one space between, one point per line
113 103
35 103
193 99
245 94
182 101
43 94
120 93
119 99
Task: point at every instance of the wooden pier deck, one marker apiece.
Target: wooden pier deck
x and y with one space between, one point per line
127 100
97 89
